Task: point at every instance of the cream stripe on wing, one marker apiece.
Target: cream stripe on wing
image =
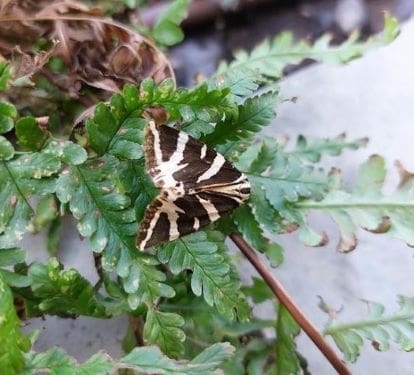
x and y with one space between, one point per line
196 225
150 229
218 162
203 152
166 169
172 212
212 212
157 144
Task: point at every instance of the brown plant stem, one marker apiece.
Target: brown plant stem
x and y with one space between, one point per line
284 298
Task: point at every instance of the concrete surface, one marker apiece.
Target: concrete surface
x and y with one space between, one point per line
370 97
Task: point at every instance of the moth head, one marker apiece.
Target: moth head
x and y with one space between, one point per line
174 192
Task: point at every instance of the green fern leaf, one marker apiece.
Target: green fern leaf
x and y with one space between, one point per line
106 217
283 177
4 77
11 257
270 58
367 207
20 178
202 253
143 360
165 329
254 114
55 361
13 342
60 292
166 31
378 328
116 128
7 113
313 151
250 229
287 361
114 125
30 135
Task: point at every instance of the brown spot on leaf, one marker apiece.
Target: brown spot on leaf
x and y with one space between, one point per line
405 176
347 243
13 200
383 227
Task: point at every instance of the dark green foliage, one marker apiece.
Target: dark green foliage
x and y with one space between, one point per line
255 113
203 254
4 75
63 292
7 113
11 257
164 328
29 134
20 178
287 361
187 294
13 342
166 31
106 217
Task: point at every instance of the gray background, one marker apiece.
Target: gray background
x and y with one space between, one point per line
372 97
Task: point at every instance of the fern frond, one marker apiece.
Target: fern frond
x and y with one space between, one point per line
283 177
367 207
200 252
377 328
271 57
21 177
254 114
106 217
13 343
143 360
165 330
60 292
314 150
287 361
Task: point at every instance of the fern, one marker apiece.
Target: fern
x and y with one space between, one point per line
313 151
7 113
165 330
13 343
11 257
367 207
201 253
166 31
21 177
270 58
250 229
199 108
144 360
377 328
254 114
287 361
106 217
62 292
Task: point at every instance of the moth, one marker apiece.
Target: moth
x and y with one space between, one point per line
197 186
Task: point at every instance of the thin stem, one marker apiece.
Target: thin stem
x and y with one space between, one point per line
138 328
97 259
284 298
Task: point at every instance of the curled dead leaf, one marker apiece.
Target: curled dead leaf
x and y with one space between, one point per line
97 52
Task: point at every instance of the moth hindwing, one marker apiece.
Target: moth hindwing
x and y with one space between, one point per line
197 185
